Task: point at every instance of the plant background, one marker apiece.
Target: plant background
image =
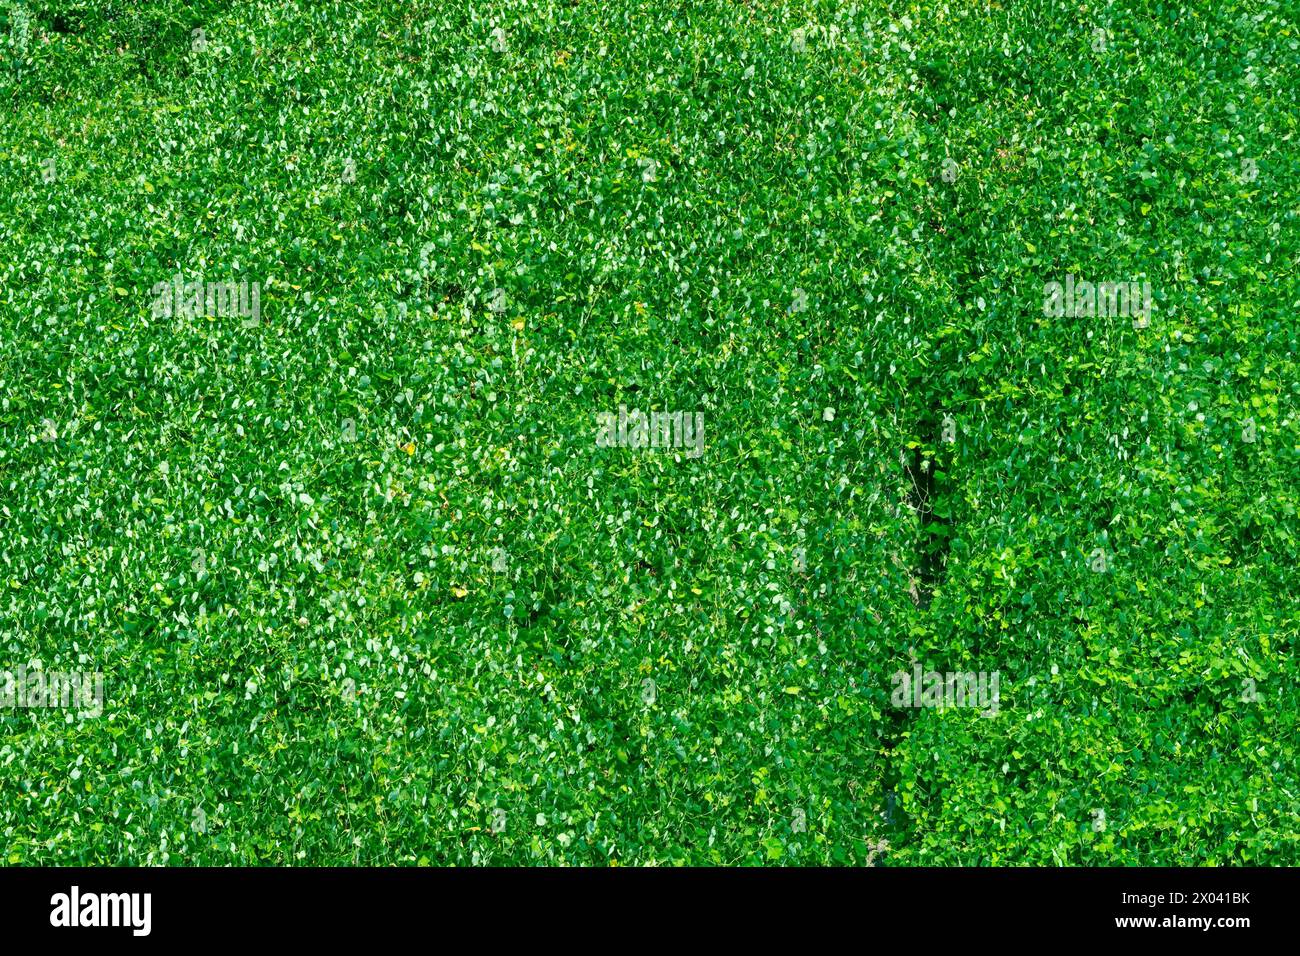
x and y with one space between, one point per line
736 208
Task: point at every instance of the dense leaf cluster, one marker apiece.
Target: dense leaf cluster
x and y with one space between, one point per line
365 590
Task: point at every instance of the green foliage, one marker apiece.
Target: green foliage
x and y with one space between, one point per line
740 209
